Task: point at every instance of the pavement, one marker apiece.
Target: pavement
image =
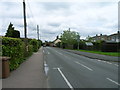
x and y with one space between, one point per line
95 56
30 74
70 70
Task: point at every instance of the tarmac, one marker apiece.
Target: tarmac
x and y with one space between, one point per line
31 73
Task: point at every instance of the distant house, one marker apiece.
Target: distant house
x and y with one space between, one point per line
100 37
56 41
112 38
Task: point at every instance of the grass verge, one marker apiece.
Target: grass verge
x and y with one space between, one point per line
103 53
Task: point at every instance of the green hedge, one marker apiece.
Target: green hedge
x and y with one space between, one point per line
30 50
35 44
13 47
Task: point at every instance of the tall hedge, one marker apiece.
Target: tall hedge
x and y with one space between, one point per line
13 47
35 44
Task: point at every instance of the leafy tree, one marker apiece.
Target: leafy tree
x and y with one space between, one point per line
69 37
89 39
11 32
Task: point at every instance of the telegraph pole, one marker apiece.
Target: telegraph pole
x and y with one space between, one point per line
78 40
38 31
25 28
24 14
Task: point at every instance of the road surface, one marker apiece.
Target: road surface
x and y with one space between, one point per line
68 70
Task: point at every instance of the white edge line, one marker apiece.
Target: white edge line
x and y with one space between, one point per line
116 65
113 81
84 66
68 83
108 62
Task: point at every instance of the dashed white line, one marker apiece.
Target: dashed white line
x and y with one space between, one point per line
48 53
113 81
116 65
43 51
59 52
99 60
103 61
84 66
68 83
108 62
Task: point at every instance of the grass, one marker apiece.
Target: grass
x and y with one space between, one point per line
103 53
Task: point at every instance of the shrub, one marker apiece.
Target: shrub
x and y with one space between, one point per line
34 42
39 43
13 47
30 50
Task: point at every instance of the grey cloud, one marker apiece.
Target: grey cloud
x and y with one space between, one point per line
55 5
54 24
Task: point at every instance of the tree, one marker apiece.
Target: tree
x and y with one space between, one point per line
11 32
69 37
89 39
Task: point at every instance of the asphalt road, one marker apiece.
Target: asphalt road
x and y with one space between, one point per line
68 70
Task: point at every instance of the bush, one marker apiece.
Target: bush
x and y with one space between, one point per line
39 43
13 47
98 45
30 50
34 42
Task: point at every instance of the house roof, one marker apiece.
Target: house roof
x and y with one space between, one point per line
89 43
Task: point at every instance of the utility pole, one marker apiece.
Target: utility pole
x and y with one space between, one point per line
78 40
25 28
69 29
38 31
24 14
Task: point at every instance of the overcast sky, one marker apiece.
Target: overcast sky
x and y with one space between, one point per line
88 18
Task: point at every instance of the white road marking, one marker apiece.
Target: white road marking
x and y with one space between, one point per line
59 52
116 65
68 83
103 61
57 68
84 66
48 52
43 51
99 60
108 62
46 68
113 81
